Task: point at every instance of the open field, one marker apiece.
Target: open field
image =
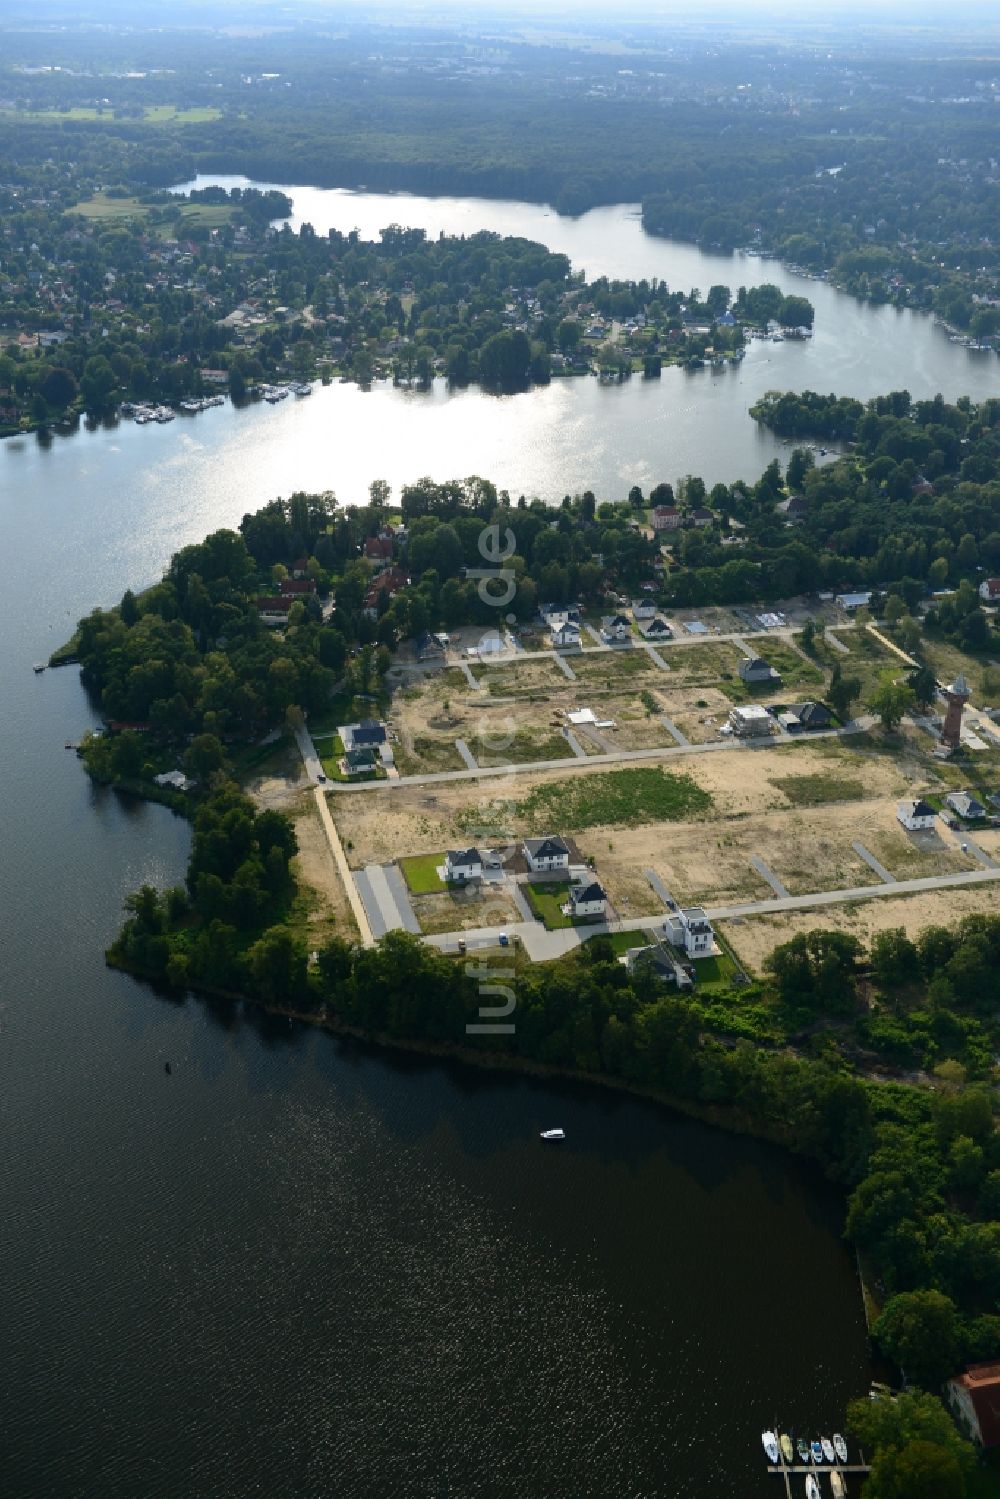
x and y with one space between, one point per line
469 906
104 208
325 899
496 745
152 114
513 678
754 937
426 819
865 660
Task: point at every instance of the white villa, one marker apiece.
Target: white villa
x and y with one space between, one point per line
690 930
916 815
544 854
462 865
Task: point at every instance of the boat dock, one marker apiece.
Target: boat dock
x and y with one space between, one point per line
816 1469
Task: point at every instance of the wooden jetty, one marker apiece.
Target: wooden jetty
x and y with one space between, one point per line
787 1469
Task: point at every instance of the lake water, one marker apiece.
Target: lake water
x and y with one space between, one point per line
296 1267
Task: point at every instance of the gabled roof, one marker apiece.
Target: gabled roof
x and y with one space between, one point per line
917 808
582 895
546 848
457 856
812 713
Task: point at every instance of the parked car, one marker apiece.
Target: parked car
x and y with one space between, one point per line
504 940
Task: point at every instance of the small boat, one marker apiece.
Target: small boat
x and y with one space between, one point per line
787 1450
838 1485
812 1488
839 1447
167 1067
802 1446
770 1445
553 1134
38 668
828 1452
816 1448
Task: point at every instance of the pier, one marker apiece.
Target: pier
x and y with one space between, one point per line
787 1469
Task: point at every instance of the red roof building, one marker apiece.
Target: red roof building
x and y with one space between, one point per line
291 586
665 518
975 1399
378 548
389 582
274 604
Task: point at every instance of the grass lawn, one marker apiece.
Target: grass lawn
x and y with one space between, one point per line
798 677
420 872
546 901
814 790
520 748
611 667
865 660
624 798
153 114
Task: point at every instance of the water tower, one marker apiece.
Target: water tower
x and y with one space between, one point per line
956 696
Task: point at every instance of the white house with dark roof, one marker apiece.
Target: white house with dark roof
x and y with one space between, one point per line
587 901
758 672
462 865
544 854
616 628
691 931
916 815
966 805
658 629
566 635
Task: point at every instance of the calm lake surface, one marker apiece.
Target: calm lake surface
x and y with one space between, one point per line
300 1268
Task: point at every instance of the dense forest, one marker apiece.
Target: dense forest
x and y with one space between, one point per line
874 162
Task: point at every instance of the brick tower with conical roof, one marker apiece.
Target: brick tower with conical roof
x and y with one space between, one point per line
957 695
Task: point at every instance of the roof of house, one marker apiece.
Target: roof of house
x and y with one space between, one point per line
812 713
965 803
368 731
545 848
748 711
456 856
274 604
297 585
701 513
982 1384
582 895
658 627
360 758
756 663
992 586
378 548
917 808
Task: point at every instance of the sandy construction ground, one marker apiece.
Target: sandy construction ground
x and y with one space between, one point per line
455 910
315 866
757 936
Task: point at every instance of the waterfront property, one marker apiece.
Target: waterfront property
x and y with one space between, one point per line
975 1399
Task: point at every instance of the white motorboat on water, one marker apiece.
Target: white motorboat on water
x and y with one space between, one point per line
840 1447
812 1487
803 1449
816 1448
553 1134
770 1444
838 1485
828 1452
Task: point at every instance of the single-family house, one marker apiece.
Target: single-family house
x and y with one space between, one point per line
757 672
796 508
751 721
587 901
292 588
616 628
658 629
378 550
643 609
429 647
274 608
916 814
565 636
975 1398
989 590
370 733
701 517
966 805
849 602
300 567
175 779
690 930
658 960
359 761
543 854
812 715
462 865
665 518
388 582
